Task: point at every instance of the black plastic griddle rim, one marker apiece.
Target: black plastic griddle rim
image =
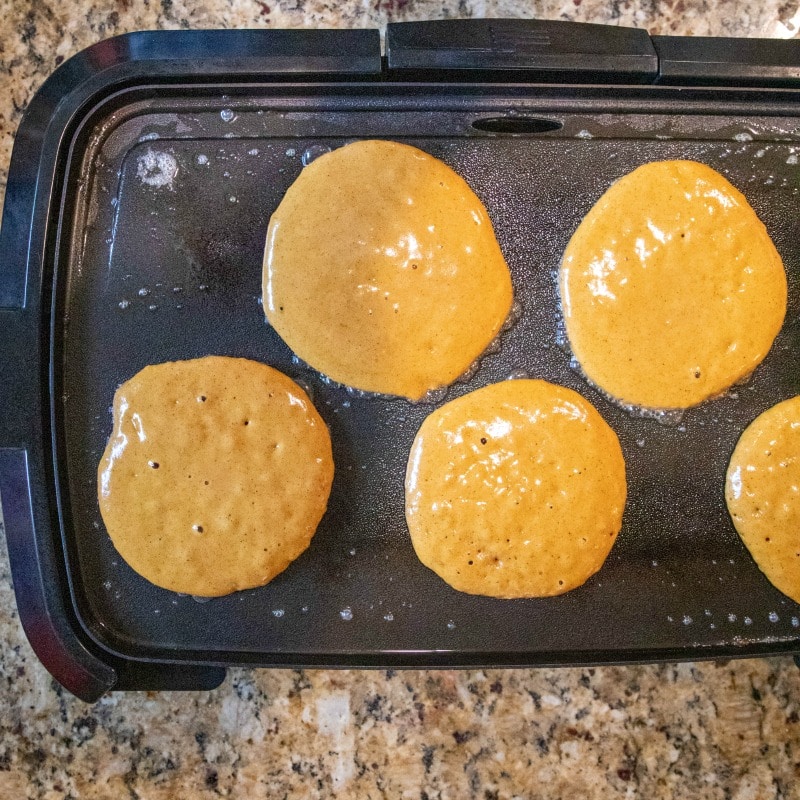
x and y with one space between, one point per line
31 511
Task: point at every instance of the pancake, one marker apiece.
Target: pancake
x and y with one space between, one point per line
671 287
382 270
216 475
515 490
762 490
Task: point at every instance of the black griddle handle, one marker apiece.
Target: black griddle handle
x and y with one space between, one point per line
546 51
714 61
45 616
41 607
530 50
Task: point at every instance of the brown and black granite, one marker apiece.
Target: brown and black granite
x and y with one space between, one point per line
701 731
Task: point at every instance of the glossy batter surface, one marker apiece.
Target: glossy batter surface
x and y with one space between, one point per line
762 489
216 475
382 270
515 490
671 287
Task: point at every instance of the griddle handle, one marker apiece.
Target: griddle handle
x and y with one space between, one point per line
44 614
530 50
716 61
327 54
151 677
41 608
14 243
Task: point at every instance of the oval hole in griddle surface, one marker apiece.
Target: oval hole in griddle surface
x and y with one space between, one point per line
516 126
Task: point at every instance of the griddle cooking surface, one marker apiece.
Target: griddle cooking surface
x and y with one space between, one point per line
172 206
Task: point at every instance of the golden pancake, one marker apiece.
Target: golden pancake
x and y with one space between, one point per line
671 287
515 490
216 475
762 490
382 270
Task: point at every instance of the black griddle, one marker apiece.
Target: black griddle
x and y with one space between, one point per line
143 177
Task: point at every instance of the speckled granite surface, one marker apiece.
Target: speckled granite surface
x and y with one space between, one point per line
694 731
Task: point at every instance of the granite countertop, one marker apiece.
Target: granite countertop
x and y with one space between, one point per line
705 730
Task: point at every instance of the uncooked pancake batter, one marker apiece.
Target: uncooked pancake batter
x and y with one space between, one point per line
762 490
382 270
671 287
216 475
515 490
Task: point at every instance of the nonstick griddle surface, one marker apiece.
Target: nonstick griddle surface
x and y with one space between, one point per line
171 204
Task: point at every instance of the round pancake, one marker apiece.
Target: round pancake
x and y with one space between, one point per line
762 490
671 287
216 475
382 270
515 490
